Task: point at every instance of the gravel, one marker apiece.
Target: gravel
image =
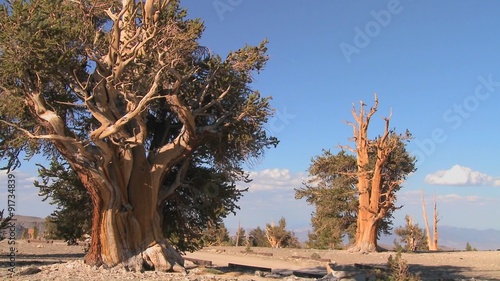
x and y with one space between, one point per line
57 261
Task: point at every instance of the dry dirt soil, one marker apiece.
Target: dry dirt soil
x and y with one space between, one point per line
477 265
58 261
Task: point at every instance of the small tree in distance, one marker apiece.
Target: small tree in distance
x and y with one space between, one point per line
468 247
239 238
432 242
50 229
279 237
258 238
215 235
412 236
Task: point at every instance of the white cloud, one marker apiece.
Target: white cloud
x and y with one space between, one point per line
459 175
414 197
274 179
455 198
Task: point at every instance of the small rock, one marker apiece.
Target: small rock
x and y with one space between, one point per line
328 277
341 274
30 271
259 273
273 275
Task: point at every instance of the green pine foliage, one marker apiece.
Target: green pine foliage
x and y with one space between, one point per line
258 238
73 214
468 247
4 225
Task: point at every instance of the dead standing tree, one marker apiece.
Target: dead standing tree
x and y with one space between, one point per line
377 182
123 92
432 242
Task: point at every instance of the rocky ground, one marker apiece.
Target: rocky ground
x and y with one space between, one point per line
57 261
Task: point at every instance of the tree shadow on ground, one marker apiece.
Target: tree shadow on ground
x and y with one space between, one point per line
448 272
425 272
39 260
430 272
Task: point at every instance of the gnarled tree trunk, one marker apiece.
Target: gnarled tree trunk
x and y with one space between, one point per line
126 227
376 190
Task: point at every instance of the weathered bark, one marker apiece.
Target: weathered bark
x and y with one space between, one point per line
126 229
366 233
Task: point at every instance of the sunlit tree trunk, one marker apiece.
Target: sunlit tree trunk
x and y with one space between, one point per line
374 201
126 228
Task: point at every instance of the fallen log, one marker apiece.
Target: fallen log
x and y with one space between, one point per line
199 262
249 267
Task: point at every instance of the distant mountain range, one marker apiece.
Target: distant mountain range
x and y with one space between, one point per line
26 222
450 237
455 238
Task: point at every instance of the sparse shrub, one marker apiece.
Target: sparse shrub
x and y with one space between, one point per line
468 247
399 269
397 246
315 256
411 236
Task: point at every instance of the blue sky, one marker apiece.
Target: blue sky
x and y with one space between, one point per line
435 64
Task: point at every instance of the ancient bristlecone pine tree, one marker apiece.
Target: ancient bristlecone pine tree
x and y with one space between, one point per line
377 183
125 94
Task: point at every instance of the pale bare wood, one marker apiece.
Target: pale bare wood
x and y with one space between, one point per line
435 222
432 241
